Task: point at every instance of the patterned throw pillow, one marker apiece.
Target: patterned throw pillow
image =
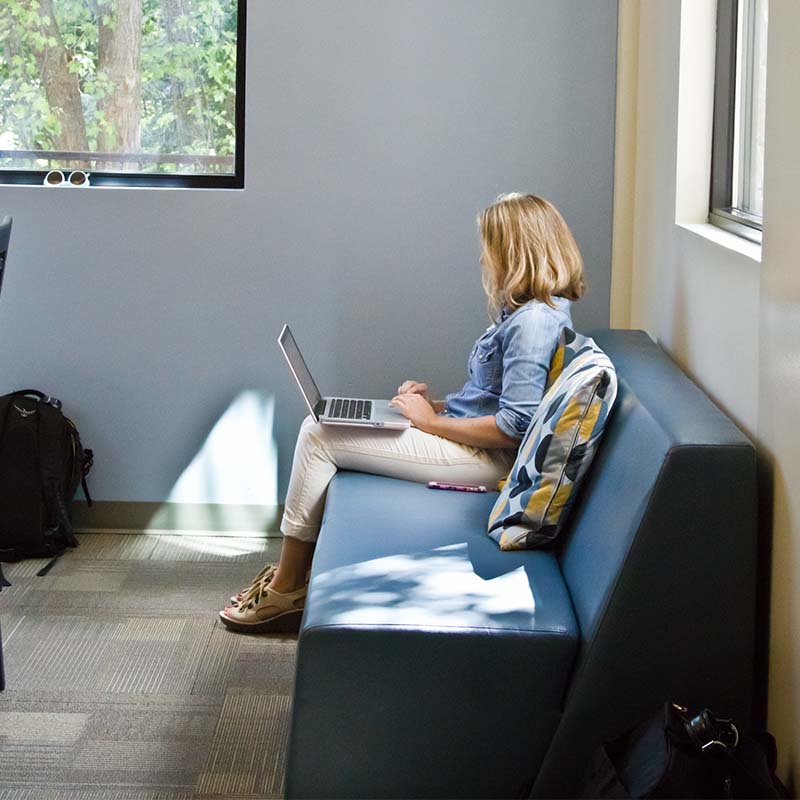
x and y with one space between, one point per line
558 447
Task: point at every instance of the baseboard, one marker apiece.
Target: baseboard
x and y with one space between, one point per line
215 519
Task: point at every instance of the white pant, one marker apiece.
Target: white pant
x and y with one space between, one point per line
409 454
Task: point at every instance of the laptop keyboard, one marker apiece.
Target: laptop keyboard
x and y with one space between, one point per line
349 409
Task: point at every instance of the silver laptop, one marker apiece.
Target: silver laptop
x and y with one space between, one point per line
336 410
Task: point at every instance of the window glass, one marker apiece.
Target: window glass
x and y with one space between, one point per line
121 88
737 179
751 80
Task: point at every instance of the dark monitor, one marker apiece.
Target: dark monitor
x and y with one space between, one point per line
5 235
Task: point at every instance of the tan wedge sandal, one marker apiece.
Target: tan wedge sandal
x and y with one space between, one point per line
263 610
265 576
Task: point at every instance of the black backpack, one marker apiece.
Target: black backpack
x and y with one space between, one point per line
42 462
677 753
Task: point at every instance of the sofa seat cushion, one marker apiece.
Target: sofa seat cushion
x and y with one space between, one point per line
394 552
429 663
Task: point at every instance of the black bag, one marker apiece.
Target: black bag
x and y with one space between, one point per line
677 754
42 462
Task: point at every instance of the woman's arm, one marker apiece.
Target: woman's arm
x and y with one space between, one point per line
480 432
530 341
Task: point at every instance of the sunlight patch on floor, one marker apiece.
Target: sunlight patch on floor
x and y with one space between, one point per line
215 546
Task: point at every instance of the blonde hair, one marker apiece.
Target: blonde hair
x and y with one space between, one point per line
529 253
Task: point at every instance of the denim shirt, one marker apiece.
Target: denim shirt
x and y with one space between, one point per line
509 364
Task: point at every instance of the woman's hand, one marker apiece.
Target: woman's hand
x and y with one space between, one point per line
421 389
415 406
413 387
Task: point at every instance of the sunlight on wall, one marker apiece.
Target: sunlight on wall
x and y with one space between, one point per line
698 37
238 462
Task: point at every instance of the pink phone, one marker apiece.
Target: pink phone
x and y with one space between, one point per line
455 487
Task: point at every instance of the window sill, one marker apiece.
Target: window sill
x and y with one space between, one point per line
136 187
726 239
136 181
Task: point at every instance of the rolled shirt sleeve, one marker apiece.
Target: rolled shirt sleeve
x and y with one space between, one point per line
528 348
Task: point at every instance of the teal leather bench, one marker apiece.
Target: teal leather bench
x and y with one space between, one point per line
431 664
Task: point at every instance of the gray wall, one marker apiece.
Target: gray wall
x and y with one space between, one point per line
375 133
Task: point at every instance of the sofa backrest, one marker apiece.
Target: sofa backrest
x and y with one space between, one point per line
660 414
660 552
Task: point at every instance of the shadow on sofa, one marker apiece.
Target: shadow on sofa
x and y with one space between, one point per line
431 664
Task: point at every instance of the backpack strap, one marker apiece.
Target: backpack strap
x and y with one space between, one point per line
88 463
47 399
49 432
48 566
63 518
32 392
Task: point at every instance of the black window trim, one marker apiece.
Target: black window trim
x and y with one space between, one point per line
171 181
721 212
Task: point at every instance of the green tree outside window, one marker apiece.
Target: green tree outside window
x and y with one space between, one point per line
133 77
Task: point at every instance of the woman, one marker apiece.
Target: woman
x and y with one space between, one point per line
532 271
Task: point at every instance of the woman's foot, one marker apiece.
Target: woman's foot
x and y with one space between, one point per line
265 576
269 575
263 610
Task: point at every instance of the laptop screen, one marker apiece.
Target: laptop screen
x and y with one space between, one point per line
299 369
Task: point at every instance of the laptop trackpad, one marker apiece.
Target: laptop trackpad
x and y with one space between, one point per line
383 412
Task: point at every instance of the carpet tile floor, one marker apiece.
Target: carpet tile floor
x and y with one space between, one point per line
123 685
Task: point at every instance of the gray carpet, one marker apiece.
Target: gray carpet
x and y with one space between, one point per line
123 685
